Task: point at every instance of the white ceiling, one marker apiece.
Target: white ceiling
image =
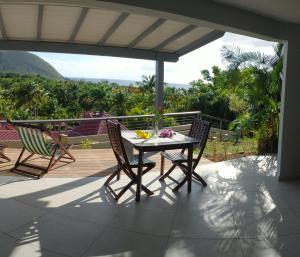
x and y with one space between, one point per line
59 23
281 10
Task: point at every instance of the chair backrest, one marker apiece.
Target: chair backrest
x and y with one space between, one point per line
32 138
200 131
115 138
103 127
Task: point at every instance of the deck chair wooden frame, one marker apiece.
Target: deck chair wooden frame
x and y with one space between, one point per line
124 164
33 140
2 154
199 130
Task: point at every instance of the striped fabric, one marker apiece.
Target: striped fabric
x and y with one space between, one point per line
33 141
52 147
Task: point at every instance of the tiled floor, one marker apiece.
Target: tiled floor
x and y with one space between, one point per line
244 212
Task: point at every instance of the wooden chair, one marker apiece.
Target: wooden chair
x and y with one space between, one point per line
199 130
33 140
124 164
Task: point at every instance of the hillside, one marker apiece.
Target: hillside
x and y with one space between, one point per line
26 63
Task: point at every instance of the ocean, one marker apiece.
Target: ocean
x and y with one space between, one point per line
124 82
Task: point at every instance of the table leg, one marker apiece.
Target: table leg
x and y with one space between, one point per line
139 176
190 167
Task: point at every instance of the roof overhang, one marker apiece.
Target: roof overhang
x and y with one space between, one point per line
64 27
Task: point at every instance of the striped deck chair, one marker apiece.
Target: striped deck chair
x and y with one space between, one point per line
33 140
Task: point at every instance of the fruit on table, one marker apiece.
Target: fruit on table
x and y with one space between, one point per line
143 134
167 133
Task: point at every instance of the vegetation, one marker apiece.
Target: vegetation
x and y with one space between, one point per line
26 63
216 150
247 92
34 97
255 93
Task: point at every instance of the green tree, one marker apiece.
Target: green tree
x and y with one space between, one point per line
258 90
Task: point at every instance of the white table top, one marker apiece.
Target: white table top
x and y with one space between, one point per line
177 139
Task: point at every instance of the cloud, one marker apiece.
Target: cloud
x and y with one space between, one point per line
100 67
184 71
230 38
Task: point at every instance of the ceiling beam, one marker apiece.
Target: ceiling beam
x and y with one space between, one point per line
2 27
146 32
39 22
200 42
205 13
78 24
174 37
114 27
58 47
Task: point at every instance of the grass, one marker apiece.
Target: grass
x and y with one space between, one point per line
217 150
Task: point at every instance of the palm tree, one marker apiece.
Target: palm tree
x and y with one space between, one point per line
148 83
259 85
236 58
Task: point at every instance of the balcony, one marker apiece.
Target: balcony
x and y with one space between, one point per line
242 212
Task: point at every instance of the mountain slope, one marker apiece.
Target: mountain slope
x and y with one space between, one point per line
26 63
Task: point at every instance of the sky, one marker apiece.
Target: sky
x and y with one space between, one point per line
184 71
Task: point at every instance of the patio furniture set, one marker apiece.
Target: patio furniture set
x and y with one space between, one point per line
187 163
37 140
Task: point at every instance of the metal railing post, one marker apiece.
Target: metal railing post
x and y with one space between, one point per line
199 115
221 128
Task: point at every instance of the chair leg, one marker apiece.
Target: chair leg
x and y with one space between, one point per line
162 164
27 158
67 152
20 156
180 184
118 174
62 156
194 174
110 178
167 173
51 163
198 177
2 155
20 162
133 181
125 189
148 169
146 190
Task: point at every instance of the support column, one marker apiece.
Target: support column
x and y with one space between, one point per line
159 84
289 132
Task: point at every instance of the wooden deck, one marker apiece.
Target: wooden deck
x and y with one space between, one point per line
89 163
